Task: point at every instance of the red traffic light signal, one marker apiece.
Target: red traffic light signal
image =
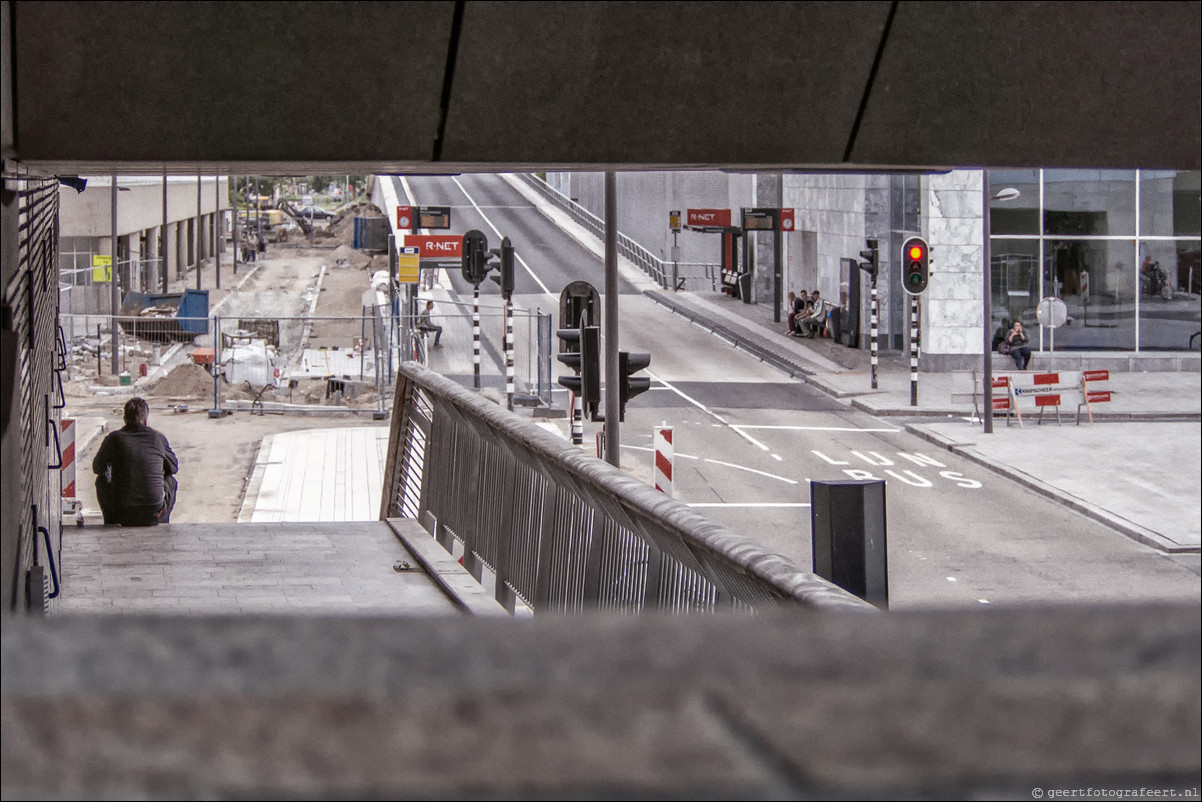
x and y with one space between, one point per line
915 265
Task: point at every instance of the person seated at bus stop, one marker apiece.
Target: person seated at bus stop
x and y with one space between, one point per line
425 323
815 322
135 472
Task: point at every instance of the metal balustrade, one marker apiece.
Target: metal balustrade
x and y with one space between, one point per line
557 530
669 275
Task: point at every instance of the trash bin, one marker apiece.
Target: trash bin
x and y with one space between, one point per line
124 378
745 287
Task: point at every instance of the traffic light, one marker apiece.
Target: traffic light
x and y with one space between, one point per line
504 276
569 354
631 385
871 257
915 265
475 256
581 351
590 370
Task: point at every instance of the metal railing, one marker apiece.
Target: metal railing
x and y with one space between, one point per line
669 275
559 530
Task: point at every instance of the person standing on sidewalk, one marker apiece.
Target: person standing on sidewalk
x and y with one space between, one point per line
796 307
135 472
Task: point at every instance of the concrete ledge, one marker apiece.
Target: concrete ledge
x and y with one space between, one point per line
1114 361
454 580
783 705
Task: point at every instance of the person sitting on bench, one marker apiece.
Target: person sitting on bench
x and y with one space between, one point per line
813 323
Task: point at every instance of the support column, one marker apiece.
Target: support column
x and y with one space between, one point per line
114 292
613 442
163 239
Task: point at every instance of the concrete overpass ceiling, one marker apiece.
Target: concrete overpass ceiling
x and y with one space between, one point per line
1038 84
357 87
660 83
257 82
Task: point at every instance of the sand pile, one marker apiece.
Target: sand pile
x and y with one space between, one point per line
353 257
186 381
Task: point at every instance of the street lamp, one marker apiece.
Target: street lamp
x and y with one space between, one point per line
1006 194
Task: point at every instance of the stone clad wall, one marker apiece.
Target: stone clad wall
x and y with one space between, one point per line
952 304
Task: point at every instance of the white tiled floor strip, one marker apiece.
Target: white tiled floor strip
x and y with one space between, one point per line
318 475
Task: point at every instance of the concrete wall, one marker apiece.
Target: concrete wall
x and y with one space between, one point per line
139 203
87 215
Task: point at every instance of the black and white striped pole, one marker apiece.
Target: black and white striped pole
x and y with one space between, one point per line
577 420
476 336
871 265
475 257
913 350
915 273
509 353
504 278
874 329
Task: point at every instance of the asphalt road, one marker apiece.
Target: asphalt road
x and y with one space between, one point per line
749 441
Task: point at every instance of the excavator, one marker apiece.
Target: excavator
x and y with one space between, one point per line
306 225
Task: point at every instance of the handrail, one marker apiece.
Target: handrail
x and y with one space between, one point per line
50 559
649 263
52 429
561 530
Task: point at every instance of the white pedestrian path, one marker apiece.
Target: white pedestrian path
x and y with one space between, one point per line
318 475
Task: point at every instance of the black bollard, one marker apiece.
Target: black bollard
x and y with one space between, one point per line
847 522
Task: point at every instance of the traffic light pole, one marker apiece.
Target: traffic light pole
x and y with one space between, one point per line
873 330
509 351
913 350
613 443
476 336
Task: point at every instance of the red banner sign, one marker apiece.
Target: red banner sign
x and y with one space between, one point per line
434 246
708 217
786 220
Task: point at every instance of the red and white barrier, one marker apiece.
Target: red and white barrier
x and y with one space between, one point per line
1041 390
67 439
70 504
663 459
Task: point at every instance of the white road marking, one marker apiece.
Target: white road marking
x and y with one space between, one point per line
516 255
720 462
749 504
752 470
816 428
711 413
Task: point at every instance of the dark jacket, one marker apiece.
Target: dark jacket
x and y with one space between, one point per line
139 459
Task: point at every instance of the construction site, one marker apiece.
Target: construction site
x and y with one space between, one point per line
291 338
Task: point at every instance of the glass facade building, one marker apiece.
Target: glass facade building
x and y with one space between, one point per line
1121 248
